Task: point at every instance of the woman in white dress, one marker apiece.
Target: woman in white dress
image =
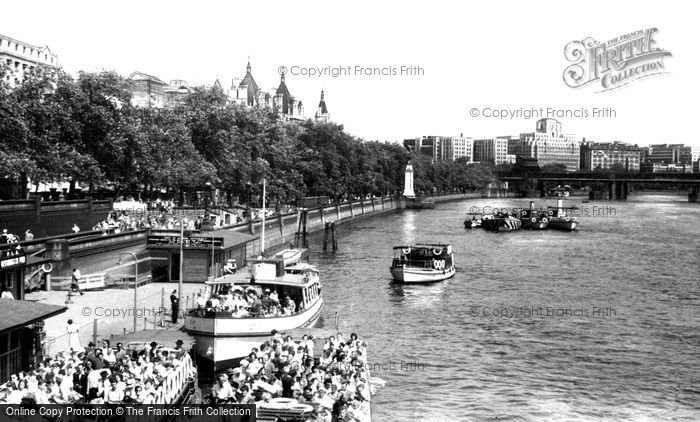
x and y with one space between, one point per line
73 337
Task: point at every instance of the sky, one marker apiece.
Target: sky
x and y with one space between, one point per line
482 56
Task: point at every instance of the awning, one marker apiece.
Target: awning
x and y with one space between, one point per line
20 313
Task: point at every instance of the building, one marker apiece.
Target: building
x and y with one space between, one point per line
548 145
22 335
690 155
322 111
431 146
604 155
493 150
284 103
204 254
246 92
665 153
175 92
147 90
458 147
651 167
22 58
442 148
412 144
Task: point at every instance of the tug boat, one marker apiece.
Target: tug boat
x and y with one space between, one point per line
222 339
533 219
501 223
422 263
560 220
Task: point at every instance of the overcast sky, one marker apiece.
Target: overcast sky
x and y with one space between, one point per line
500 55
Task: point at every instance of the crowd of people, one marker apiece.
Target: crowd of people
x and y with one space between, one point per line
242 303
97 375
283 370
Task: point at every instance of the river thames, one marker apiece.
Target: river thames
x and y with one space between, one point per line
601 323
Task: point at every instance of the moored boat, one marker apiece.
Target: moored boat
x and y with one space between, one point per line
472 223
283 298
534 219
563 223
559 218
501 223
422 263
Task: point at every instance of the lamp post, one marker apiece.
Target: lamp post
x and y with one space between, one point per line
136 281
213 267
182 259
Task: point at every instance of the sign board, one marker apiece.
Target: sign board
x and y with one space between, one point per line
14 260
189 242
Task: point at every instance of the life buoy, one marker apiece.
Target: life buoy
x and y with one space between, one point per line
567 219
437 251
544 220
550 212
533 219
47 267
406 251
524 212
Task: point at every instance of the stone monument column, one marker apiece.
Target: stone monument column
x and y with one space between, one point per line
408 184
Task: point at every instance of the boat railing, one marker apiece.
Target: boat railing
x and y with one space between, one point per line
224 314
416 263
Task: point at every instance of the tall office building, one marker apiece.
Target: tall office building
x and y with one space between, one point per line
605 155
548 145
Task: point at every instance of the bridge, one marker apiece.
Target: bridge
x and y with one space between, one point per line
617 185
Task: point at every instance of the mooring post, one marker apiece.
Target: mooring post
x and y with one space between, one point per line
333 239
305 242
325 236
337 210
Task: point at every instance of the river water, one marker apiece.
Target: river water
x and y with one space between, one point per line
597 324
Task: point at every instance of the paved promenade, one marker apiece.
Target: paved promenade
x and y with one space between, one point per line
113 309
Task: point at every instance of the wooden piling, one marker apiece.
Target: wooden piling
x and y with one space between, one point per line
333 238
325 236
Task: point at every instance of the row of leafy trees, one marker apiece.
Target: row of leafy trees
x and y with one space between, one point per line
57 128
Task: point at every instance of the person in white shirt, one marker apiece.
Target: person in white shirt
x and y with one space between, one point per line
114 395
6 294
109 355
200 301
222 390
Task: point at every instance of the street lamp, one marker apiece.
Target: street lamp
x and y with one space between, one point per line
136 281
213 265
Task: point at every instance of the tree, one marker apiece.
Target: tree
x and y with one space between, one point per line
554 168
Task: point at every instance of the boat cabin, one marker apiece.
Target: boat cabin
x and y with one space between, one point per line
421 256
268 276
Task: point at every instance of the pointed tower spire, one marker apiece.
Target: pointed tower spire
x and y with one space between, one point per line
247 68
322 110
